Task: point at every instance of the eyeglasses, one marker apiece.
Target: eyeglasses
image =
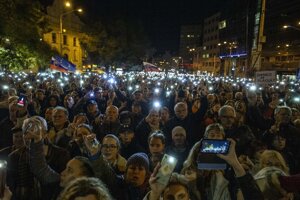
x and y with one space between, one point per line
110 146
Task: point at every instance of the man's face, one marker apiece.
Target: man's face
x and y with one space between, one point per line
283 117
126 137
178 138
109 148
181 111
156 146
111 114
71 172
59 118
135 175
176 192
227 118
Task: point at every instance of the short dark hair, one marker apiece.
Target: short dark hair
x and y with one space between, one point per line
158 135
86 167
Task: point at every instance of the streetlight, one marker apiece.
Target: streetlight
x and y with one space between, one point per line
293 27
61 23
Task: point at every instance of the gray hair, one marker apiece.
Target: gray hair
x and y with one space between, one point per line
279 108
62 109
224 108
38 119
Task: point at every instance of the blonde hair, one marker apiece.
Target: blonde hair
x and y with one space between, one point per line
84 186
271 158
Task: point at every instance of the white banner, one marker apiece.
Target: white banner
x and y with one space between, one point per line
265 77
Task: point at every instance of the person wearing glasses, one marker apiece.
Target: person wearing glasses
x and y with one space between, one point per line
110 150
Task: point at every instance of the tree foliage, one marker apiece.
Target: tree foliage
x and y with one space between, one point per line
21 26
117 41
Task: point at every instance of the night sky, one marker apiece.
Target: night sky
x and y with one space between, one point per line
161 19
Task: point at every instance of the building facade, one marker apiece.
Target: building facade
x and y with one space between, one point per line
281 52
67 43
208 54
190 41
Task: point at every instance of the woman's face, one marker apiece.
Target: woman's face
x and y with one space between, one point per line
279 143
156 146
154 117
215 134
109 149
164 115
135 175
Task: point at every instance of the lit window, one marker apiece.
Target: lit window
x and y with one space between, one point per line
188 35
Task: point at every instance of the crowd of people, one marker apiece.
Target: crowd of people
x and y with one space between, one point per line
90 136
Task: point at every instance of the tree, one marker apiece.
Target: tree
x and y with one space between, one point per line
114 42
22 24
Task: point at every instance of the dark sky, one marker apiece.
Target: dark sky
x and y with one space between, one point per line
161 19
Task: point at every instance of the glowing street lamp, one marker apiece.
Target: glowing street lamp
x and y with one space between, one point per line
292 27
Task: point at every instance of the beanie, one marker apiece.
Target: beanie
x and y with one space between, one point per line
140 159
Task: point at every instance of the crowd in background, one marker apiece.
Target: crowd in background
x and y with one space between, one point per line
103 136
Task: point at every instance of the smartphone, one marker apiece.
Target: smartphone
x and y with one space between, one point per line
3 167
21 100
214 146
168 164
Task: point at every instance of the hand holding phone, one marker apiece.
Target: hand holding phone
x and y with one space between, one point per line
22 100
92 144
168 165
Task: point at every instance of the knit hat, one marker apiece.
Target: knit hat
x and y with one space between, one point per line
140 159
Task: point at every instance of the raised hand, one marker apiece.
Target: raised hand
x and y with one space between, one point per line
92 144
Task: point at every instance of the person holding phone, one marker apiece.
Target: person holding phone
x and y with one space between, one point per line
211 183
